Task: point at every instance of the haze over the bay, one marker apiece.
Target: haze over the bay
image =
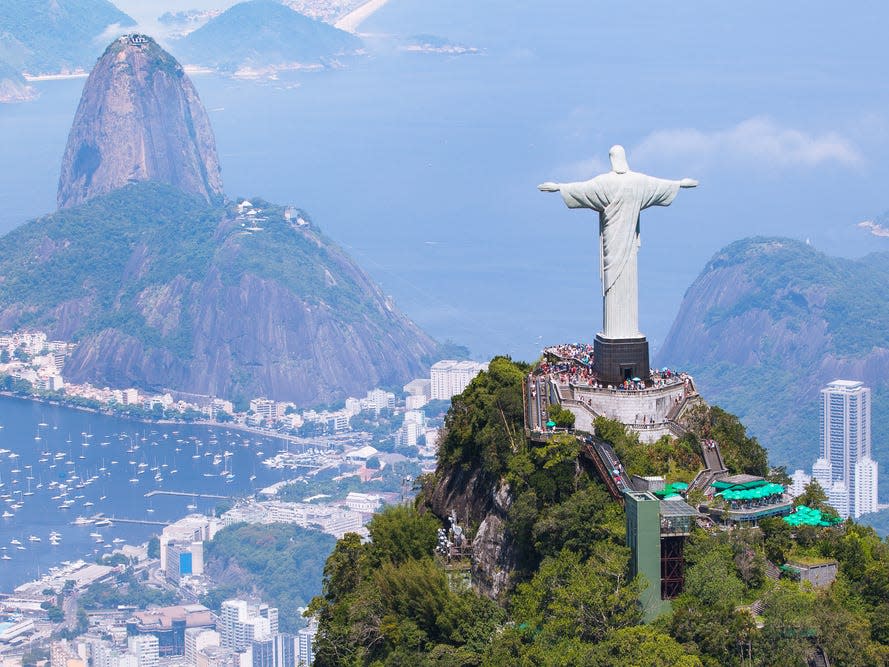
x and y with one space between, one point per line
424 165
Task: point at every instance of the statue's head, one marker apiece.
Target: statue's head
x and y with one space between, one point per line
618 159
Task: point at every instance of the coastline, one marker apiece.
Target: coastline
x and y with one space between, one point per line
201 422
351 21
55 77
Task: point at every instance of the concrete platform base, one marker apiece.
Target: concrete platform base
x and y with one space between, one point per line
621 359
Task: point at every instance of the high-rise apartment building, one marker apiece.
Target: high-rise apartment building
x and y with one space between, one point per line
845 415
241 624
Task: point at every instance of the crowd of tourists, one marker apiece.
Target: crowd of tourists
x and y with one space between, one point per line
573 363
569 363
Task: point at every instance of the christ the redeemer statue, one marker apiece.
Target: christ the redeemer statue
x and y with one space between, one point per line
619 196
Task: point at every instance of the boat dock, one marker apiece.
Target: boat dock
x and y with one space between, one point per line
185 494
142 522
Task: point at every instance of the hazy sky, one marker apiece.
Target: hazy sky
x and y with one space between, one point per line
781 110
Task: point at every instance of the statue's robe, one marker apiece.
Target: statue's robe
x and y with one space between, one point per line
619 198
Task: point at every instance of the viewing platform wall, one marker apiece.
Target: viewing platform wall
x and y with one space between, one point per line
645 411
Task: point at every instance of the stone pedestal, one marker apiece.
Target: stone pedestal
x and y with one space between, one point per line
621 359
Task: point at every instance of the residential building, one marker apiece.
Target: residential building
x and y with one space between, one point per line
450 377
197 639
822 473
845 412
217 656
838 497
799 481
192 528
145 648
420 387
62 654
305 645
377 399
263 652
242 624
184 559
362 502
285 650
265 408
865 500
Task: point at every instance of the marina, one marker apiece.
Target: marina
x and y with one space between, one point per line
77 485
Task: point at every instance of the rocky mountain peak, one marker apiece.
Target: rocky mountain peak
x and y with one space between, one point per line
139 119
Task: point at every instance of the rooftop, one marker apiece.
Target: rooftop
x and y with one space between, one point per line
161 618
845 384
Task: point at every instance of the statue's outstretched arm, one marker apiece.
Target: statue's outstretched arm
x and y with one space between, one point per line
549 186
687 183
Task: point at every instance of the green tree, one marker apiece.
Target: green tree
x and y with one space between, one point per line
814 496
563 417
641 646
706 613
586 518
485 423
789 625
154 547
778 539
399 533
583 599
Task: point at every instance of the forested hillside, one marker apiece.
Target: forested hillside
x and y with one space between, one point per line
769 322
567 598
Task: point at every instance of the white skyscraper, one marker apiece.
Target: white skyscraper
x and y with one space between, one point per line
865 500
845 435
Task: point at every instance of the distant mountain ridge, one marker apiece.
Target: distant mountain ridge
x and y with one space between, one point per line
260 34
51 36
768 322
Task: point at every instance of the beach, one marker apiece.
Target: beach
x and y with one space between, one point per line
351 21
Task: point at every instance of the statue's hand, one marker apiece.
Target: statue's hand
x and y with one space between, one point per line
548 187
688 183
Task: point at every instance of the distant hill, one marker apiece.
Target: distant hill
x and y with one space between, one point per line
50 36
13 87
162 290
262 34
768 322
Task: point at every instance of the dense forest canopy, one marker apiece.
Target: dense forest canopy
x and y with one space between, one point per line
395 600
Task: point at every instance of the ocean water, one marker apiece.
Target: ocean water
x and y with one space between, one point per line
109 465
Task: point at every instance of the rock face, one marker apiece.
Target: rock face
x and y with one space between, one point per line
478 501
162 291
139 119
769 322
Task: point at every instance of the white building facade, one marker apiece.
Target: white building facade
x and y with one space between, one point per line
450 377
845 468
